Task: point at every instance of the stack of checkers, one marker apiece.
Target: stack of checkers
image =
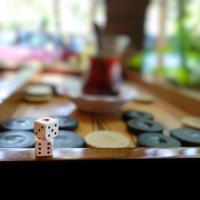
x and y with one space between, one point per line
18 133
37 93
144 98
149 132
67 138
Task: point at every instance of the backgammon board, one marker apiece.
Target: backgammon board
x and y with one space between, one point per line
79 140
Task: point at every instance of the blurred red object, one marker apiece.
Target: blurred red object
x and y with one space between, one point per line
103 77
67 54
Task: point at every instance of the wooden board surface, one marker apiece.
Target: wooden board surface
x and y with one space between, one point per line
101 154
163 112
182 98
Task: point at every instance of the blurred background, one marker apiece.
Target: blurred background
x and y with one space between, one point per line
155 38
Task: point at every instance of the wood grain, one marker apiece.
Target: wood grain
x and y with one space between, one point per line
172 95
164 112
100 154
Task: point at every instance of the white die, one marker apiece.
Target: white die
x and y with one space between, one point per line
43 147
46 128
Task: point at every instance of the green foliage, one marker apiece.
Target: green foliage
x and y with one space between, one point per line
179 76
186 43
161 71
183 77
135 61
194 78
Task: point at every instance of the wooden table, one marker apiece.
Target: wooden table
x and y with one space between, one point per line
166 113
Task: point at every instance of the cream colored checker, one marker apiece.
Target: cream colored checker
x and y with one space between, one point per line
38 93
107 139
144 98
192 122
38 90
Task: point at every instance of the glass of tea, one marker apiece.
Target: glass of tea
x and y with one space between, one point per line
103 76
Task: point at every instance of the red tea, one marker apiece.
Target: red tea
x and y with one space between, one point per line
103 77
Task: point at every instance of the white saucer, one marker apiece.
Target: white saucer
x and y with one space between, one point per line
96 103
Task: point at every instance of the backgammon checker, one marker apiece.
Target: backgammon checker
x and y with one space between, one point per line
144 98
157 140
135 114
37 93
45 130
107 139
67 122
16 139
21 123
188 137
68 139
144 126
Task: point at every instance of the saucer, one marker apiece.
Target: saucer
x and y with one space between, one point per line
100 104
